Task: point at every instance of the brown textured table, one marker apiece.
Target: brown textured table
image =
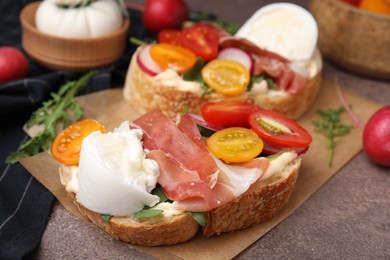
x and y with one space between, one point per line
347 218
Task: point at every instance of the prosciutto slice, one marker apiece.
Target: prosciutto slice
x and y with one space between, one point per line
189 193
189 174
160 132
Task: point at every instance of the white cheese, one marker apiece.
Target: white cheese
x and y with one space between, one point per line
283 28
73 184
114 176
277 165
170 79
169 210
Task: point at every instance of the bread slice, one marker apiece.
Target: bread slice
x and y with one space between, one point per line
162 230
144 94
261 202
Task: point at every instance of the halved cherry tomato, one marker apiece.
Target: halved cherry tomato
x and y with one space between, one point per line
226 77
228 113
174 57
170 36
67 145
235 144
202 40
279 130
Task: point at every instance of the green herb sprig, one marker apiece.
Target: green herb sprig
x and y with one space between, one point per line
61 109
231 28
331 125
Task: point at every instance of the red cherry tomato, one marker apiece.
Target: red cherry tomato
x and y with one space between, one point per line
228 113
202 40
170 36
279 130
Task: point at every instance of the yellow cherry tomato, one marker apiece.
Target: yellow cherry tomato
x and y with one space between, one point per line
227 77
67 145
173 57
235 144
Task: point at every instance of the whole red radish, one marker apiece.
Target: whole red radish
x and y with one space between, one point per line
13 64
164 14
376 137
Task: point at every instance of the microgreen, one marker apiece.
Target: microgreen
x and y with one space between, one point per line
330 125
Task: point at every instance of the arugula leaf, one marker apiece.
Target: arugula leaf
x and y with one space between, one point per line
270 81
105 218
54 113
199 217
148 213
194 74
160 193
231 28
276 155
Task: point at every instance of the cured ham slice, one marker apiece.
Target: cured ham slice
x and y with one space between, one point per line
189 174
189 193
160 132
189 128
269 63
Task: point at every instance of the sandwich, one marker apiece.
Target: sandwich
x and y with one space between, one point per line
158 181
272 61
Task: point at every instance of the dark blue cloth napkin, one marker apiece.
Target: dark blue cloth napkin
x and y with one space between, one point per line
25 204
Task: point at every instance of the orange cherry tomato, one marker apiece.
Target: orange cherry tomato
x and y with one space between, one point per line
377 6
173 57
235 144
67 145
226 77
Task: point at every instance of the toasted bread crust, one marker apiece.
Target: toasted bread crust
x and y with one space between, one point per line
260 203
174 231
145 94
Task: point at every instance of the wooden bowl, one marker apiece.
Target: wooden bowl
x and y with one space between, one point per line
70 54
355 39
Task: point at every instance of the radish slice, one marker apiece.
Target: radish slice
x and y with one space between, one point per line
146 62
236 54
198 119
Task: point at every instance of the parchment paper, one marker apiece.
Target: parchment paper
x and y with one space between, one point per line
109 108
